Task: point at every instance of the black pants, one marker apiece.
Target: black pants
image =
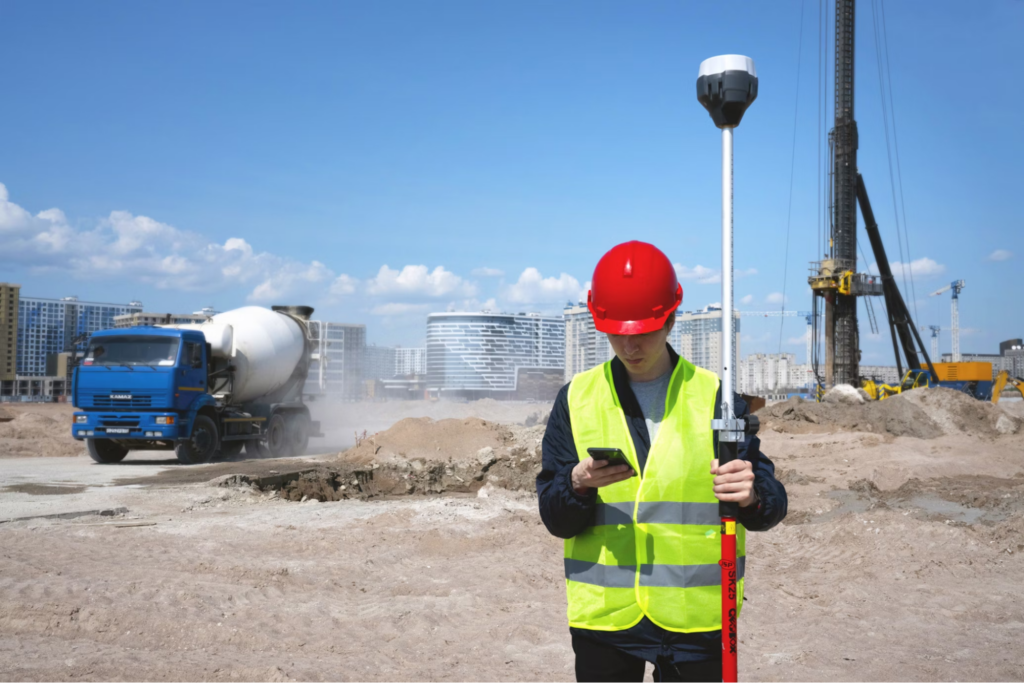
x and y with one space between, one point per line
600 662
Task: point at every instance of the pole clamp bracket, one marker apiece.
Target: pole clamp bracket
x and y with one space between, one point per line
736 429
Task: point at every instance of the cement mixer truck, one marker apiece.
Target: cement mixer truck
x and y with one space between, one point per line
204 391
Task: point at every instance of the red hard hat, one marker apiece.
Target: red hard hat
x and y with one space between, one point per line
634 290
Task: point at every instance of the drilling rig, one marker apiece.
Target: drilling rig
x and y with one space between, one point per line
834 278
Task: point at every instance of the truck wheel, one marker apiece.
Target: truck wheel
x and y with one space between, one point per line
201 446
255 448
277 437
298 432
229 449
106 451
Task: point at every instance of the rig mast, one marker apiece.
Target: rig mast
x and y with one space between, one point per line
835 278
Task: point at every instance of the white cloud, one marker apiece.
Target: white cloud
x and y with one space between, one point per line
922 267
487 272
289 278
1000 255
126 247
533 288
400 309
418 281
344 285
472 306
700 273
775 298
708 276
747 299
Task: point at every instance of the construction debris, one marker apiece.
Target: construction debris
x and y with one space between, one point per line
420 456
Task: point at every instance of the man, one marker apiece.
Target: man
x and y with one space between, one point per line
642 540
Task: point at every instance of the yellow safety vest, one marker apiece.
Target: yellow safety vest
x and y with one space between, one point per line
654 547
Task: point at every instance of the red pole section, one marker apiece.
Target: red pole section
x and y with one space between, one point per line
728 564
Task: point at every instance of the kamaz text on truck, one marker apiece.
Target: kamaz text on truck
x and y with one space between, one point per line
205 391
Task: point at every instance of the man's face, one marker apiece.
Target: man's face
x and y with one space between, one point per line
640 353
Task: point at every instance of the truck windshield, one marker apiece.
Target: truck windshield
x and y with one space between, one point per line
132 350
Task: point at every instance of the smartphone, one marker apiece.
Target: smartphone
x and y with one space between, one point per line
614 456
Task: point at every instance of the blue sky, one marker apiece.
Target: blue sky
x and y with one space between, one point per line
381 160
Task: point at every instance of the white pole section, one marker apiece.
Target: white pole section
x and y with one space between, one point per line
727 320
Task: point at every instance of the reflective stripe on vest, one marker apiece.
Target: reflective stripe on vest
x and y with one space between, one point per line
654 545
663 575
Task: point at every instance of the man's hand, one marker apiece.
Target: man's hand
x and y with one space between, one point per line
734 482
593 474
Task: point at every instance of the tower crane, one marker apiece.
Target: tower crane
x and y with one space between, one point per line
935 341
956 286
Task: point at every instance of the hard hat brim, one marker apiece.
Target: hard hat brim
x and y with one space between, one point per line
607 325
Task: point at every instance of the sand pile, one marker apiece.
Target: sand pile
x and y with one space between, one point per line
31 434
955 412
897 418
425 439
922 413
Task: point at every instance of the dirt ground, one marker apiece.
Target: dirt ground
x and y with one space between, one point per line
900 558
30 430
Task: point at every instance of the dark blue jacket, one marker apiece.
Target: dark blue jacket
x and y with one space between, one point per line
566 513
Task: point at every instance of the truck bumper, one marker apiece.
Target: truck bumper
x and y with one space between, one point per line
124 426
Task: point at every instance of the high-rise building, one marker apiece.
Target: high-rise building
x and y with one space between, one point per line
585 347
378 362
761 373
8 330
1010 345
410 362
151 319
48 326
500 355
339 371
697 337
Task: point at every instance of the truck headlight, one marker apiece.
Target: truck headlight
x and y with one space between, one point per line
81 419
166 420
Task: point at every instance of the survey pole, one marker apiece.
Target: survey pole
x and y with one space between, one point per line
726 86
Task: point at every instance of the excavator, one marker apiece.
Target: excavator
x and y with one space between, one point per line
1002 380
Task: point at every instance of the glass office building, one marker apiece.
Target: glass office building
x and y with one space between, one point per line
497 355
338 373
50 326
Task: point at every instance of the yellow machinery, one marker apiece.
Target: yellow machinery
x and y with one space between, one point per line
964 372
914 379
973 378
1002 379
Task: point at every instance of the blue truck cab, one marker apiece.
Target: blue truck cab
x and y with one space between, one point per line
140 387
156 388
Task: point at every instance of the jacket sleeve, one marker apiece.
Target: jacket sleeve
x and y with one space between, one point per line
772 500
564 512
